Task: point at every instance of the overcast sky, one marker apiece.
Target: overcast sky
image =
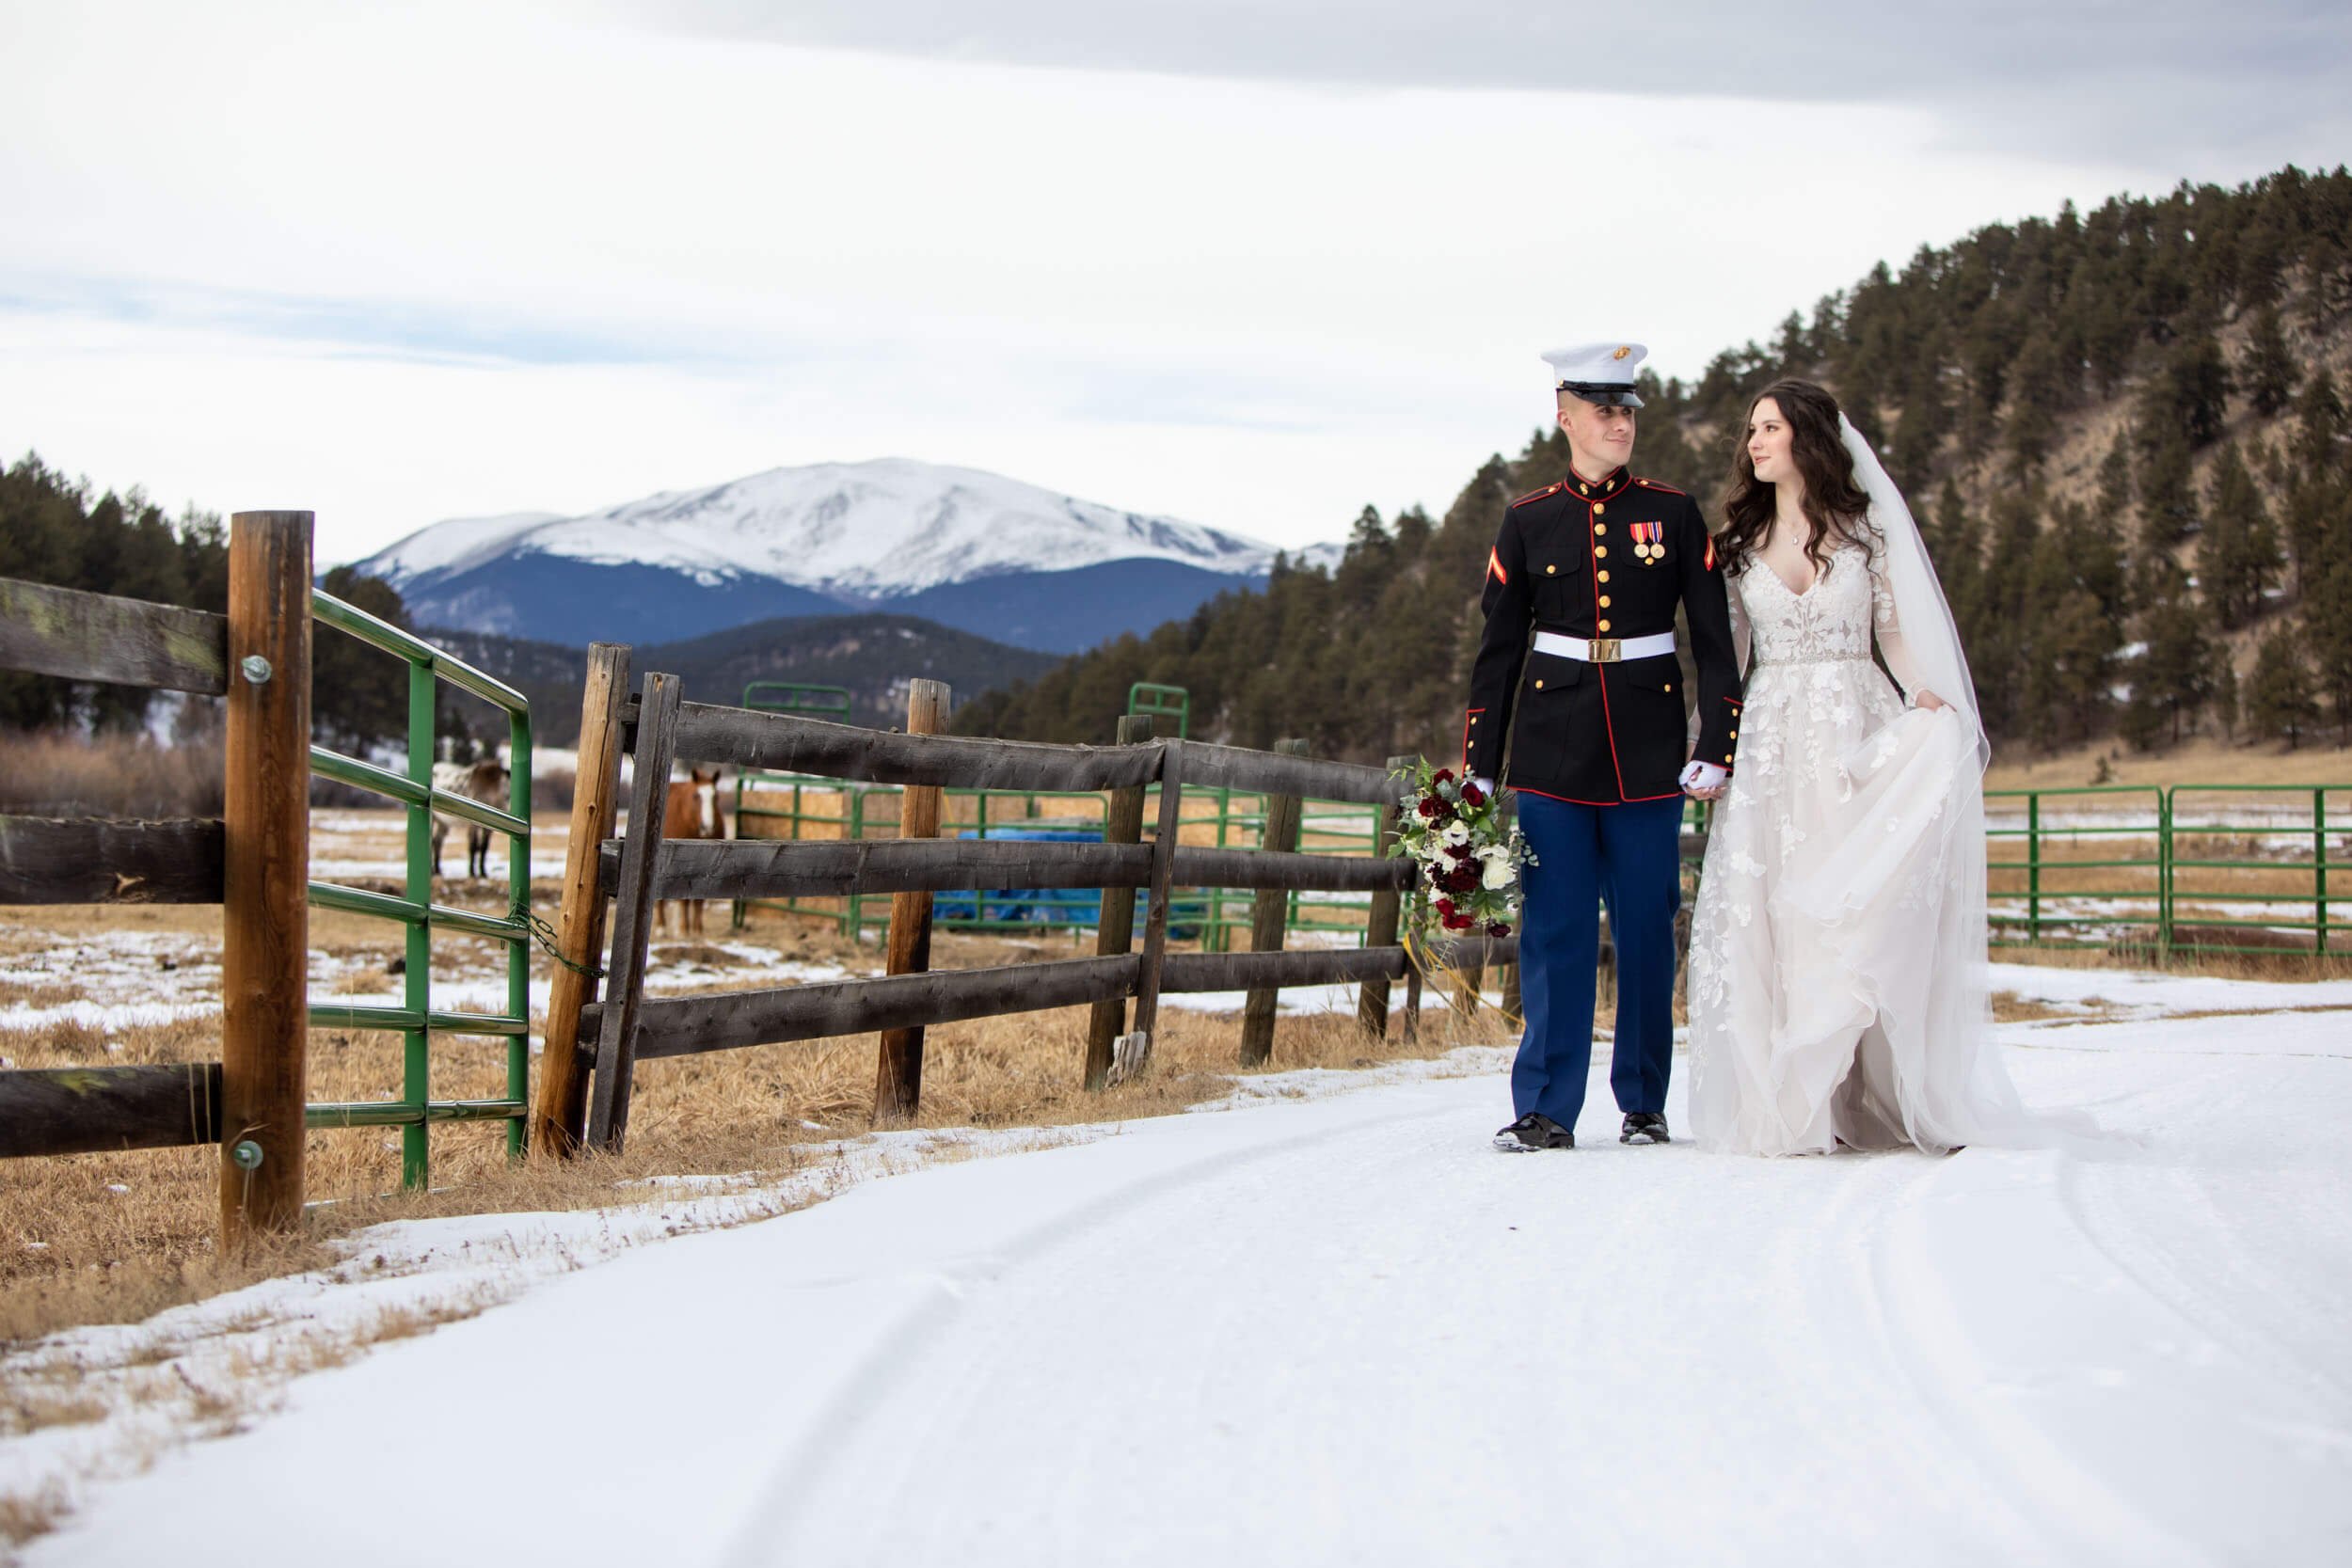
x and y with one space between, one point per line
1254 264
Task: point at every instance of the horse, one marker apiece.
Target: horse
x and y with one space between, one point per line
692 811
484 781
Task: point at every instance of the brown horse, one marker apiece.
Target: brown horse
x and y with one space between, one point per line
692 811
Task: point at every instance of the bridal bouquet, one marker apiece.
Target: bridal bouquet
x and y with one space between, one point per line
1470 856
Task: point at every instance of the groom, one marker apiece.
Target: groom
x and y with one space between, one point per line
1577 703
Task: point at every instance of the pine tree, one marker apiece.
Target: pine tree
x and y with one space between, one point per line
357 693
2279 700
2169 503
2327 628
2035 395
2269 371
2237 556
2224 701
2191 399
2173 677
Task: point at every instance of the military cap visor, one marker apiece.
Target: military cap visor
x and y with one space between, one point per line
1607 394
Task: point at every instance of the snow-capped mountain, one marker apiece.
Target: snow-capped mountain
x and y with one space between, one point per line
975 550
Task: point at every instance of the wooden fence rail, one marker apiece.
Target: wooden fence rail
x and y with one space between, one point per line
253 860
662 728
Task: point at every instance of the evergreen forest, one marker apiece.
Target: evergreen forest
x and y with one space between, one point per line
2123 432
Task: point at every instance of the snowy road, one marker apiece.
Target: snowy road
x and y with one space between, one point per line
1341 1329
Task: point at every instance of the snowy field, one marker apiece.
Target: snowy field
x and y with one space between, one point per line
1324 1323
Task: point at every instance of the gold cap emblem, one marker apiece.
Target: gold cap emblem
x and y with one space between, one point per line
1622 352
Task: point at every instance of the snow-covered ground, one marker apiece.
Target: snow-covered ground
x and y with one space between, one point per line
1327 1324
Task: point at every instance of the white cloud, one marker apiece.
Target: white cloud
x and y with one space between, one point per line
398 266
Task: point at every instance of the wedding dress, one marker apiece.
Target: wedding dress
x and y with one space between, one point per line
1837 951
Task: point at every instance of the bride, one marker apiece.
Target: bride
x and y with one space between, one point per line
1837 952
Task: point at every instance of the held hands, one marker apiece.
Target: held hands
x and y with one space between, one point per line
1703 780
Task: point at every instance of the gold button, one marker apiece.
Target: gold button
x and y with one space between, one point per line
1539 686
1473 719
1600 507
1604 576
1601 550
1604 626
1735 735
1604 601
1550 570
1599 529
1668 687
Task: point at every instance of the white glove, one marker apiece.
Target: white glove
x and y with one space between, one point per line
1485 787
1703 775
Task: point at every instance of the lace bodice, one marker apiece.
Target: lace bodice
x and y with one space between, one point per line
1833 620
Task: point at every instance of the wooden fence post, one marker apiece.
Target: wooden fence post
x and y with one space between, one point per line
1155 920
561 1119
265 930
1372 997
633 913
898 1064
1115 932
1268 916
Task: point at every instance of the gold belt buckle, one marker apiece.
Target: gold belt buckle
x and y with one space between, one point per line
1606 650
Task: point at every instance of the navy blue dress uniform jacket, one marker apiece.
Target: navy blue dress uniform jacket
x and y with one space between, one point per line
1605 559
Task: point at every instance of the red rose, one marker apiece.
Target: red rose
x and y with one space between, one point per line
1458 923
1498 927
1473 795
1445 908
1462 879
1429 806
1442 775
1460 851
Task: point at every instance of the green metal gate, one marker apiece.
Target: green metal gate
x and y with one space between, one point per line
417 1020
1154 700
2177 868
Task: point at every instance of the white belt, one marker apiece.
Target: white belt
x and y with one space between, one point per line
1604 650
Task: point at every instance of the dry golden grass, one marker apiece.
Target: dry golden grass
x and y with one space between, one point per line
22 1516
52 774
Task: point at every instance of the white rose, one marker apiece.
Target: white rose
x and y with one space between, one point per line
1456 833
1497 875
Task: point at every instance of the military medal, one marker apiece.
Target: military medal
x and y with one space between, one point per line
1649 546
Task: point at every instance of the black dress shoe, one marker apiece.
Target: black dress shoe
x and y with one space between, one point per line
1644 1126
1533 1131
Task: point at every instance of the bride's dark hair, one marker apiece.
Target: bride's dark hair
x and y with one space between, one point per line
1833 503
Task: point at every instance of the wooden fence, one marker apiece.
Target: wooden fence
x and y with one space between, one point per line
253 860
593 1045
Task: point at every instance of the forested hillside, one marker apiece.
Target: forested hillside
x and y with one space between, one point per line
2125 433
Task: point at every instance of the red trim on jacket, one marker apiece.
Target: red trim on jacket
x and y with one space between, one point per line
1552 488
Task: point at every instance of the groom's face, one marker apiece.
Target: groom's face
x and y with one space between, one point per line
1600 439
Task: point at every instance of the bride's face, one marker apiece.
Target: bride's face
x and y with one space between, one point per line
1769 441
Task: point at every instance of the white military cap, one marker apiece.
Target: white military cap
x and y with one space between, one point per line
1597 372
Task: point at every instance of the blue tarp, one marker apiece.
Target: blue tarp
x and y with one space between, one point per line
1065 906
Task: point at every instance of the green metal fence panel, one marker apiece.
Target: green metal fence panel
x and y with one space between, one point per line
2251 866
417 1020
821 701
2088 866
